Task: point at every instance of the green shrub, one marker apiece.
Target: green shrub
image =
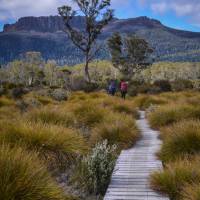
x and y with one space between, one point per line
164 85
17 92
180 85
181 139
22 176
95 170
175 175
196 84
59 95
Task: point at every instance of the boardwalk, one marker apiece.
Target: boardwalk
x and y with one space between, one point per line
130 179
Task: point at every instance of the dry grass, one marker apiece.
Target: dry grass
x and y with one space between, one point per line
172 180
54 144
181 139
51 115
118 129
172 113
4 101
22 176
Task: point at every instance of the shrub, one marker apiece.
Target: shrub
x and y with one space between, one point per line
24 177
96 169
116 129
17 92
133 87
144 88
59 95
164 85
196 84
2 91
181 139
57 145
166 115
180 85
172 180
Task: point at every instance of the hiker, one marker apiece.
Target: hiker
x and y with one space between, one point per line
112 88
123 88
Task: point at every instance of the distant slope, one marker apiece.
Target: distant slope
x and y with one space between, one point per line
45 34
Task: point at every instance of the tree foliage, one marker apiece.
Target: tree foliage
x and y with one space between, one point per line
97 15
31 70
129 54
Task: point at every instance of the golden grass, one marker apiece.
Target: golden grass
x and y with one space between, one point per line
172 180
118 129
53 143
51 115
22 176
172 113
4 101
181 139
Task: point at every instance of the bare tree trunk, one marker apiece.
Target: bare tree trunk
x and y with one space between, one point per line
87 75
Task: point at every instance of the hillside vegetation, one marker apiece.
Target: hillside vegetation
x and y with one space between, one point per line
62 150
177 117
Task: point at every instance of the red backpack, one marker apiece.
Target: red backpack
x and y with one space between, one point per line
124 86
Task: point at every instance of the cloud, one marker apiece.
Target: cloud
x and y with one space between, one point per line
160 7
14 9
181 8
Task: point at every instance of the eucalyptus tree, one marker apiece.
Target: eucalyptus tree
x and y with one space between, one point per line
97 14
129 54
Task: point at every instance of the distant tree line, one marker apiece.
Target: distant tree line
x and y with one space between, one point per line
31 70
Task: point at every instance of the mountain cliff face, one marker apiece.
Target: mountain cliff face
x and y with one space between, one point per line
45 34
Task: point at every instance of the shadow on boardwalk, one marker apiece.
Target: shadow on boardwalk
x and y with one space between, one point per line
130 179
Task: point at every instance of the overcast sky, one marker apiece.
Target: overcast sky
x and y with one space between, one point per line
181 14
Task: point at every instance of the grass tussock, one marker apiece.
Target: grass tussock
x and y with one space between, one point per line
176 175
52 142
22 176
191 192
4 101
51 115
88 114
117 129
172 113
181 139
145 101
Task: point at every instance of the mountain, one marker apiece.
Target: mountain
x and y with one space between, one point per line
45 34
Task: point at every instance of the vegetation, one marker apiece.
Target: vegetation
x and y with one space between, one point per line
73 136
96 15
178 121
181 139
24 177
95 170
135 56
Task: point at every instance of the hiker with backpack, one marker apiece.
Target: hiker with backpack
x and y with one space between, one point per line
112 88
123 88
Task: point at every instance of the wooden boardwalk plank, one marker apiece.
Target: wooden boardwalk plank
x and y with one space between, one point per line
130 179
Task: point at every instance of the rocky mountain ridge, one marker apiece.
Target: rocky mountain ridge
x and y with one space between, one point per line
45 34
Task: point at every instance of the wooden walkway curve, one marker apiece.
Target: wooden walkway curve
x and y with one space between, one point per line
130 179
